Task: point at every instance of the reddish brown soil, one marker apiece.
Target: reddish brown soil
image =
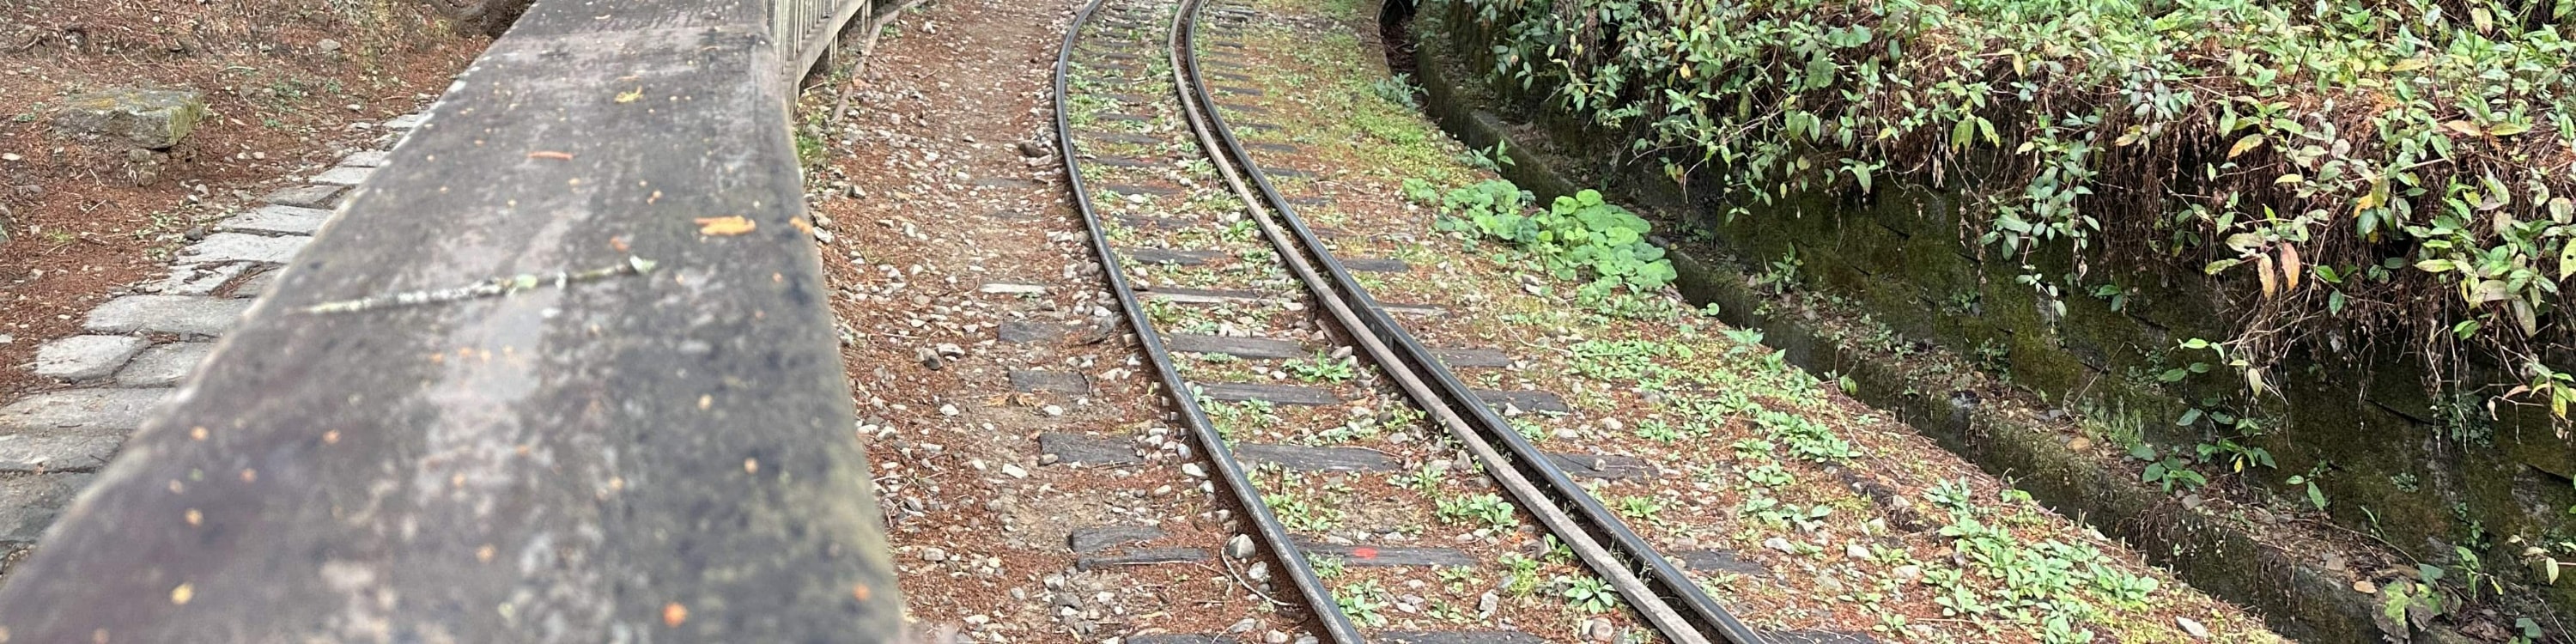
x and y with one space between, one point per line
85 218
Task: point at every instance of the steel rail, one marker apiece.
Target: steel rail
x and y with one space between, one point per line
1503 469
1274 535
1644 568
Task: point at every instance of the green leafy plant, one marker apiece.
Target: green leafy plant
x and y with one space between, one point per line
1426 479
1744 337
1574 236
1752 449
1232 419
1524 580
2169 472
1953 495
1782 274
2316 497
1399 90
1486 509
2236 455
1657 430
2407 603
1770 475
1805 438
1361 602
2120 587
1358 428
1641 508
1589 594
1528 428
1326 567
2060 630
1459 578
1490 160
1557 551
1323 368
2052 585
1301 514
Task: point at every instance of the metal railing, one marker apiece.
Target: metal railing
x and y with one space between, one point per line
805 30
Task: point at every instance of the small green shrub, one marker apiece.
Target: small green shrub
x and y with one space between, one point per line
1489 510
1574 236
1590 595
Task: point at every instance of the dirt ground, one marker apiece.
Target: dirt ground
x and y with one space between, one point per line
941 212
290 86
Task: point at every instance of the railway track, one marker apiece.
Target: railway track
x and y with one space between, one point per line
1232 295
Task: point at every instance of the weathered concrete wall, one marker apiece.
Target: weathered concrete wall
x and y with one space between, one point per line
562 370
2430 474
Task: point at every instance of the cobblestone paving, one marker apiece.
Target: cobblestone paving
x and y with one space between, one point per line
139 346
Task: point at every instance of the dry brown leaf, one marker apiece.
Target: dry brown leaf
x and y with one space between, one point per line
2290 267
673 614
2263 270
725 226
2245 145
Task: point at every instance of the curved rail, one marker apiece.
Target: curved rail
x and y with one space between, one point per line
1274 536
1703 615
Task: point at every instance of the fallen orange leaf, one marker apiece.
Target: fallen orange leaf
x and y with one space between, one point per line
725 226
673 614
550 154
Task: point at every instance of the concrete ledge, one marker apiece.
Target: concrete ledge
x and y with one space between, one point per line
606 450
